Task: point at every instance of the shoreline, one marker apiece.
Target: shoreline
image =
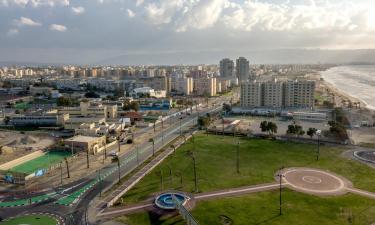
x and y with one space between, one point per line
343 95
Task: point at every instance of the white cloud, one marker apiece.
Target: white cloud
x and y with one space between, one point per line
12 32
253 14
35 3
202 15
131 14
57 27
78 10
139 2
24 21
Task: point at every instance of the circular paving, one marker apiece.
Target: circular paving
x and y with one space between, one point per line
368 156
315 181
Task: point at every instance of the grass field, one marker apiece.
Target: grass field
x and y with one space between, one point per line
263 208
259 160
31 220
41 162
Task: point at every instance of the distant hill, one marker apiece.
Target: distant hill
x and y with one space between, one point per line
281 56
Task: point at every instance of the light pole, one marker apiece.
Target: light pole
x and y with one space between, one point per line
238 157
280 175
61 173
118 168
101 183
180 126
318 133
195 172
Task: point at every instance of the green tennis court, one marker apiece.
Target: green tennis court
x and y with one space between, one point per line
42 162
31 220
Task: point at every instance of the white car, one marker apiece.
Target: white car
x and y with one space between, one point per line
113 153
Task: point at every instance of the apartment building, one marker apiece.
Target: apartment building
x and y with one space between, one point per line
242 69
272 94
205 86
158 83
251 94
299 93
278 94
183 85
226 68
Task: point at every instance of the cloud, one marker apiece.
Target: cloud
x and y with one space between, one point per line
12 32
248 15
57 27
131 14
35 3
24 21
78 10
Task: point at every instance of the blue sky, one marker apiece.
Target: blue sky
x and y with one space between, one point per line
89 31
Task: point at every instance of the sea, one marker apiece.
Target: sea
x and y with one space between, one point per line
356 81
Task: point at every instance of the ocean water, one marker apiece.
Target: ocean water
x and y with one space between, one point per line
356 81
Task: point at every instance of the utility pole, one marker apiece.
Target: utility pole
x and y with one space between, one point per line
118 145
318 133
195 172
238 157
87 158
136 148
180 126
61 173
101 183
118 168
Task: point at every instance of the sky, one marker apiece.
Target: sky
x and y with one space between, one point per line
177 31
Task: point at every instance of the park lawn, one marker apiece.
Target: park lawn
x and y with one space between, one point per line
42 162
263 208
259 160
31 220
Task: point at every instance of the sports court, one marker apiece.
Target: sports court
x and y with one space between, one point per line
42 162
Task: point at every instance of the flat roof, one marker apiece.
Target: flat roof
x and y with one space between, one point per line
81 138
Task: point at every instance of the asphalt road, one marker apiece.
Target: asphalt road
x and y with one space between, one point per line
76 213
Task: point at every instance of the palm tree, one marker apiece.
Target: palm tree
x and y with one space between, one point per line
153 145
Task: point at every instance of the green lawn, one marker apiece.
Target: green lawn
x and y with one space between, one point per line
31 220
41 162
259 160
263 208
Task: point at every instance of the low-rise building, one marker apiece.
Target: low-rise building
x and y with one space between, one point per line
91 144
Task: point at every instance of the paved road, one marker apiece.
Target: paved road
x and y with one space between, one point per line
76 213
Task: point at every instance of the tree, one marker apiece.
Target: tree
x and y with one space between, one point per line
227 108
204 122
6 120
311 132
295 129
63 101
291 129
272 128
134 106
91 94
263 126
269 127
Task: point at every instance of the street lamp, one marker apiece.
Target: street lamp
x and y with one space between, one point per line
281 176
238 157
318 133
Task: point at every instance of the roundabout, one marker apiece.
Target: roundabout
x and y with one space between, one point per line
314 181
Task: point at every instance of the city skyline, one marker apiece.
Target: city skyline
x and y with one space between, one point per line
178 32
